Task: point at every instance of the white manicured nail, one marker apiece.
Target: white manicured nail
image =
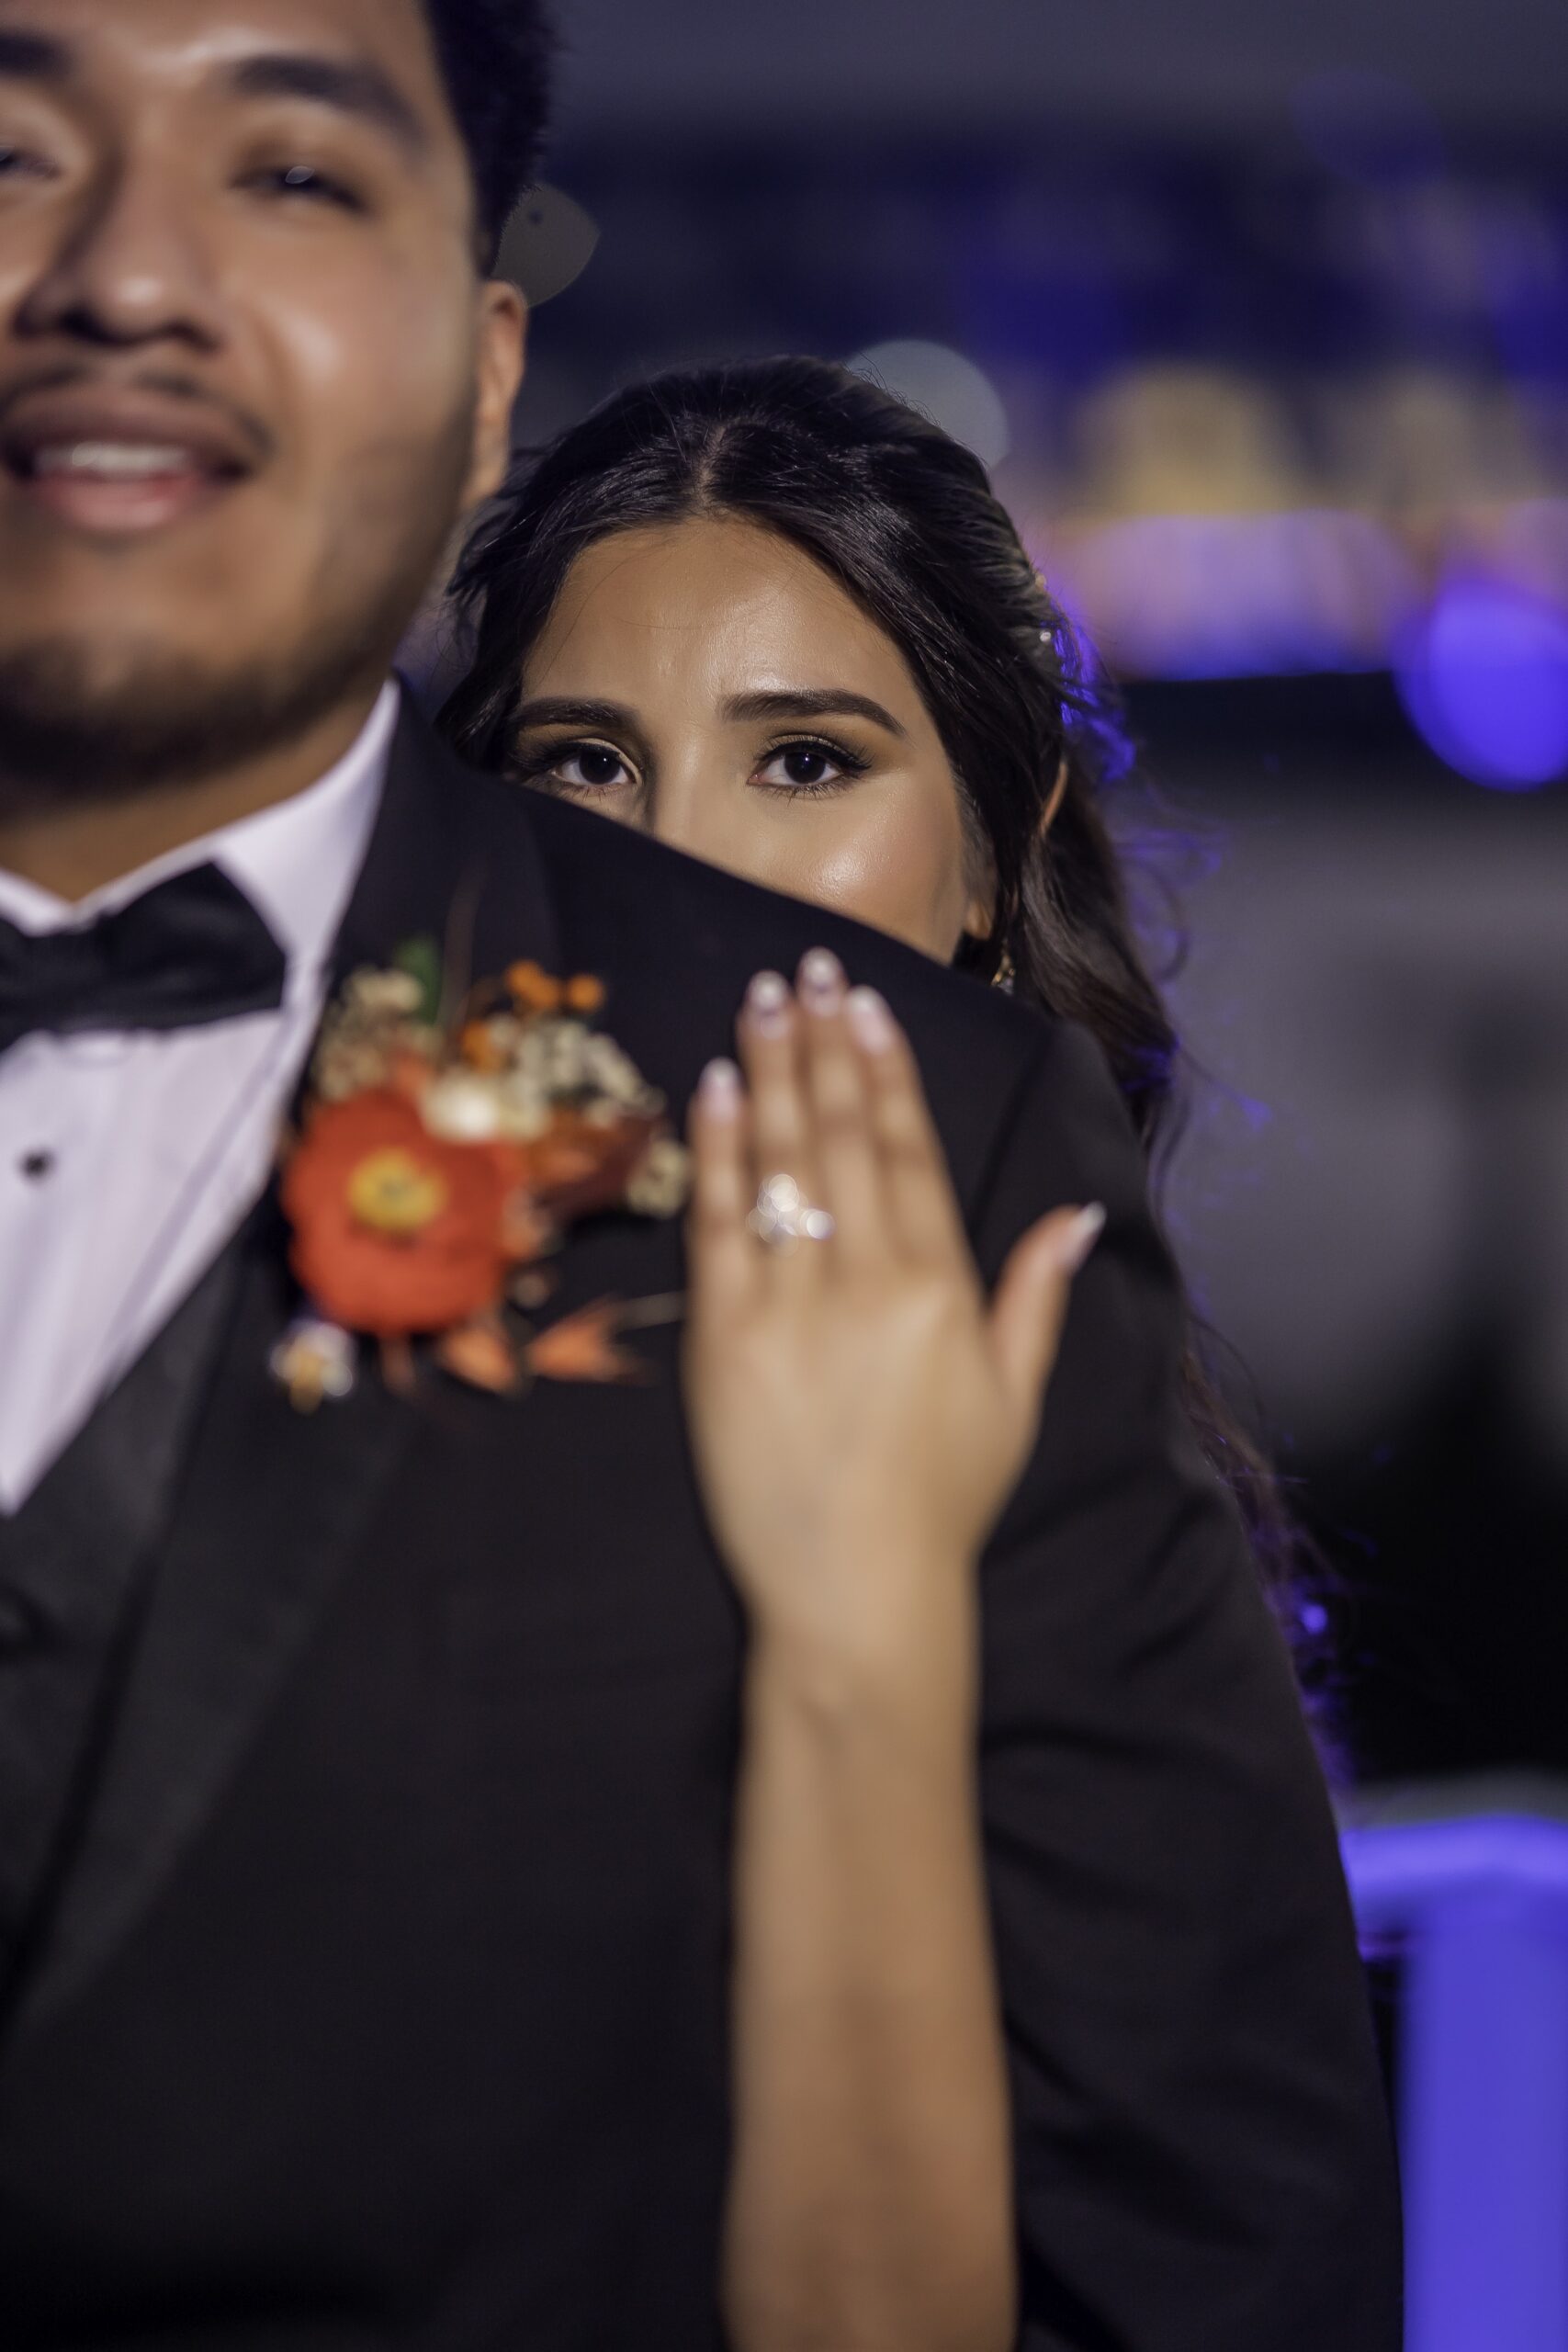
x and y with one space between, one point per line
768 1005
871 1021
822 980
719 1088
1076 1241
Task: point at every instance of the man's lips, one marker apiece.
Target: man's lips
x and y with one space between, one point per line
115 463
115 491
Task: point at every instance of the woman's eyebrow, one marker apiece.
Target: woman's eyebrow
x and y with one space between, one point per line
810 702
562 711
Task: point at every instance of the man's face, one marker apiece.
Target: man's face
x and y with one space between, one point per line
249 376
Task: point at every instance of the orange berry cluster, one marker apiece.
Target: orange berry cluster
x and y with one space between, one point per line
537 991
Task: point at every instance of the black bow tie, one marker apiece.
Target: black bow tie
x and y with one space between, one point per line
192 950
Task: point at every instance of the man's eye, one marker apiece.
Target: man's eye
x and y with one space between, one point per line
304 182
20 164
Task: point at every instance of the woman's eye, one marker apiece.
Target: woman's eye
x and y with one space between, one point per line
303 183
808 767
580 767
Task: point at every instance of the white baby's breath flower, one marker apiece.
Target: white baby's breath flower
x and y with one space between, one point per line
345 1064
315 1361
505 1033
461 1106
662 1179
563 1058
613 1071
524 1108
382 992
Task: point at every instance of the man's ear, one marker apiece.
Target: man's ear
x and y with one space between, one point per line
502 331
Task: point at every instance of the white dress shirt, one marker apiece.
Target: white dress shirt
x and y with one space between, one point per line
127 1159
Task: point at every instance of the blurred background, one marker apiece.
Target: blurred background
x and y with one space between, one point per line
1259 316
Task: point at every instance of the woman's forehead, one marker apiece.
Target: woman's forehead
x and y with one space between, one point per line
713 597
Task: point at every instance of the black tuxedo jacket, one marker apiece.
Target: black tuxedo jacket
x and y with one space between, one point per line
383 2001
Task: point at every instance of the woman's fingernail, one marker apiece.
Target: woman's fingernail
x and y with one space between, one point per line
767 1003
873 1025
822 980
1078 1239
719 1089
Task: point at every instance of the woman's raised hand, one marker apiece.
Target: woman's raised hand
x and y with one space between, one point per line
860 1410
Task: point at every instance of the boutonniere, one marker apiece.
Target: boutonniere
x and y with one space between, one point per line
438 1163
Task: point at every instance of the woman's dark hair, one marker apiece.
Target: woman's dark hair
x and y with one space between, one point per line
903 517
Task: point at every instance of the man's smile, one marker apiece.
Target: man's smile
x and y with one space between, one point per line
119 461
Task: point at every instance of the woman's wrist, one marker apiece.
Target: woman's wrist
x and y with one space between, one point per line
906 1671
871 2198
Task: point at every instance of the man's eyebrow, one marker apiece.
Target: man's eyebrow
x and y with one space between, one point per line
812 701
358 89
33 57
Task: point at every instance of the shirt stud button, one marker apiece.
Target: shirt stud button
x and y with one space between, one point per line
36 1165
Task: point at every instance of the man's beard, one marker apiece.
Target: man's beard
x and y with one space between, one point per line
72 737
85 723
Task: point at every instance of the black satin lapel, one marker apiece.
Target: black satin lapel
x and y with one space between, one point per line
453 858
274 1502
273 1505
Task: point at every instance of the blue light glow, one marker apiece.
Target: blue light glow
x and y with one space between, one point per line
1481 1905
1484 678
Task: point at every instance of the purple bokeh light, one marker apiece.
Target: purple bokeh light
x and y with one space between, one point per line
1484 678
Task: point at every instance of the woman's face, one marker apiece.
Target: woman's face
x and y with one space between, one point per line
707 682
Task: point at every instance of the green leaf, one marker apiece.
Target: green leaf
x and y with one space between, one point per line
421 959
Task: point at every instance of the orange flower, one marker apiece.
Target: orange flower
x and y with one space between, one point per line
395 1231
534 989
408 1073
480 1050
584 994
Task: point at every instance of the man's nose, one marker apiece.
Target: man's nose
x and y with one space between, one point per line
130 269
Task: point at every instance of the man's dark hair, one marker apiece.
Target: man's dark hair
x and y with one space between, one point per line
496 56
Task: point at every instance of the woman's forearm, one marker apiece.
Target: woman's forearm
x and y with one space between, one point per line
871 2201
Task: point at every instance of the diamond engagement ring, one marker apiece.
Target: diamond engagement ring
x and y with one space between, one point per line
783 1215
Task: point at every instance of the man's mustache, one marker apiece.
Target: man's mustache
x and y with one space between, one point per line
148 383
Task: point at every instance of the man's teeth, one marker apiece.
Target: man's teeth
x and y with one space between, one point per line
114 460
